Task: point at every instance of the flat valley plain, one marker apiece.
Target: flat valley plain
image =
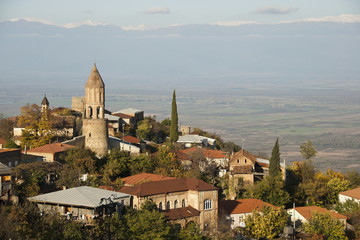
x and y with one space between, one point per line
249 113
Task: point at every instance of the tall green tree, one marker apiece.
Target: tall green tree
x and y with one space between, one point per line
308 150
274 168
174 130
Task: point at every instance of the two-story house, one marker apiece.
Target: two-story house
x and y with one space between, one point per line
182 200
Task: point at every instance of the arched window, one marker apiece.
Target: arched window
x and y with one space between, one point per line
175 204
238 161
98 112
160 206
207 204
245 160
183 203
90 112
167 205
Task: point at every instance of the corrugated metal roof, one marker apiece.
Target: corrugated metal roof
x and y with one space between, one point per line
79 196
4 170
128 111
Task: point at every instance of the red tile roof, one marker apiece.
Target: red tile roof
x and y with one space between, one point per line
167 186
354 193
131 139
208 153
308 211
51 148
144 177
181 213
243 205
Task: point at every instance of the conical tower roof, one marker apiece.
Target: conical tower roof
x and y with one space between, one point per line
94 79
45 101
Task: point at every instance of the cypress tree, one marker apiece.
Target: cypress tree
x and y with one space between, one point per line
274 168
174 131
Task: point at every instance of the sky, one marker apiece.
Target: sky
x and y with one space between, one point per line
137 14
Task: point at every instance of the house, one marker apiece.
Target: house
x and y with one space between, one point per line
302 215
237 210
135 141
142 178
82 203
219 158
353 194
130 116
49 152
123 145
183 200
5 182
10 157
191 140
249 167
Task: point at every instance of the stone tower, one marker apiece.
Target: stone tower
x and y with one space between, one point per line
94 123
44 104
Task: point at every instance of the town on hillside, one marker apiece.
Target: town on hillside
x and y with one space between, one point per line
88 173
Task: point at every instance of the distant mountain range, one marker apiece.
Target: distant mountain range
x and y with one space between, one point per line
195 53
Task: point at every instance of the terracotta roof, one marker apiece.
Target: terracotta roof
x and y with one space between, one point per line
131 139
181 213
245 153
242 169
167 186
206 152
354 193
144 177
51 148
180 155
308 211
106 187
243 205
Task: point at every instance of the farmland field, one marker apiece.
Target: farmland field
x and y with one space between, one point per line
250 115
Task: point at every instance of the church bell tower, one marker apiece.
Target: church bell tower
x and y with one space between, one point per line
94 123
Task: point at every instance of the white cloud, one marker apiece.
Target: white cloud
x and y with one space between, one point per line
276 10
233 23
158 10
343 18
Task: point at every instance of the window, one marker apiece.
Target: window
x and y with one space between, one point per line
238 161
207 204
175 203
245 160
183 203
167 205
160 206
